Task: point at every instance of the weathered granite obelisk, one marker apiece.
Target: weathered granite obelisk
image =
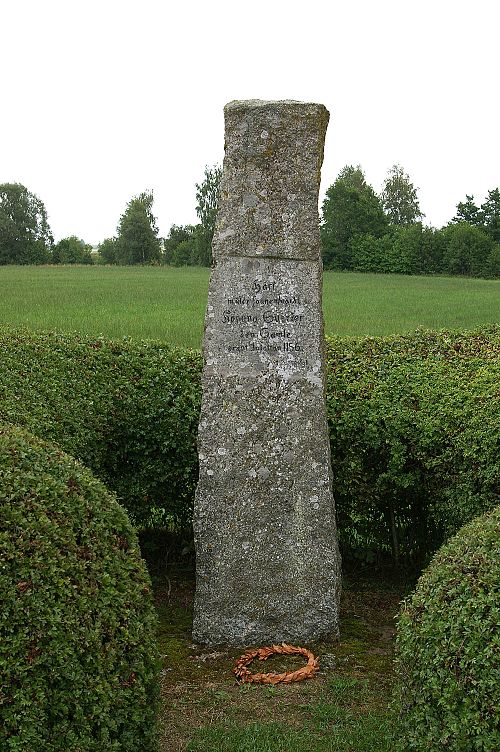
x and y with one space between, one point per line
267 561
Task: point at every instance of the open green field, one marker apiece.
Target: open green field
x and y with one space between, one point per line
169 303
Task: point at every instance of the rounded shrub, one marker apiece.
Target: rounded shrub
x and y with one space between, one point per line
447 647
78 660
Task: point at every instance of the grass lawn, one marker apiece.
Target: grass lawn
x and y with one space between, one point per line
169 303
342 709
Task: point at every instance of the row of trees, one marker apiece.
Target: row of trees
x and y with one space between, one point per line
137 240
26 238
363 231
360 231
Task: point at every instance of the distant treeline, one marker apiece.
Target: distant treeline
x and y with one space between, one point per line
360 231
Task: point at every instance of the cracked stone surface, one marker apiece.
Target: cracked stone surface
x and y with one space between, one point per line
267 561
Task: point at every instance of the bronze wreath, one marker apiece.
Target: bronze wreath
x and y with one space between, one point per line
244 676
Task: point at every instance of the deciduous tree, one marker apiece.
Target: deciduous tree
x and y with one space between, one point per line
25 236
180 246
137 233
399 198
467 211
207 197
72 250
351 208
485 217
107 251
491 214
467 250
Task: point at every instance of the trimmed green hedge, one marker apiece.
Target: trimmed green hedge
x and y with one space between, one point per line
448 645
414 436
413 422
78 654
128 411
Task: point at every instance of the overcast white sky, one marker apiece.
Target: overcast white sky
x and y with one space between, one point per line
102 100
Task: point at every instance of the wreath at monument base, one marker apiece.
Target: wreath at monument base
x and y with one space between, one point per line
244 676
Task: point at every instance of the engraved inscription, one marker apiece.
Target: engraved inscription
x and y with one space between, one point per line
264 318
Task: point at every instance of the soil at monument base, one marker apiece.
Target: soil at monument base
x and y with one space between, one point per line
205 709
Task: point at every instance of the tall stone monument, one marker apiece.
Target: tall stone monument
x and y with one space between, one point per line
267 561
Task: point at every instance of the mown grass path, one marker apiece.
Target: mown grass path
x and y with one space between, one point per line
169 303
343 709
